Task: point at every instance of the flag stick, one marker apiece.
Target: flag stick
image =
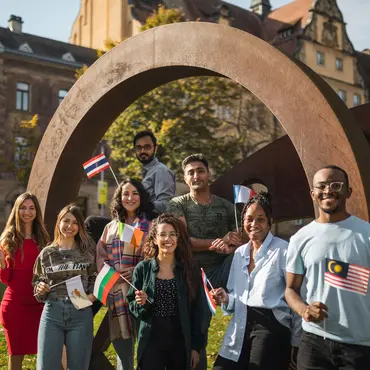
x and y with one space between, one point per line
212 288
148 299
54 285
236 219
114 176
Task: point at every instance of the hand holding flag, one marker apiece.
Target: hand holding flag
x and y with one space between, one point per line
211 303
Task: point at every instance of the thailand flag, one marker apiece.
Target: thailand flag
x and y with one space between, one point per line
242 194
96 165
210 302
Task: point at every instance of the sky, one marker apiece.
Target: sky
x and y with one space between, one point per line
54 18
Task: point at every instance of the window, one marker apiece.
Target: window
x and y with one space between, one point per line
22 96
339 64
21 154
320 58
356 99
61 95
342 94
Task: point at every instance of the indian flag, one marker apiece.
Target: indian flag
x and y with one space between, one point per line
130 234
104 283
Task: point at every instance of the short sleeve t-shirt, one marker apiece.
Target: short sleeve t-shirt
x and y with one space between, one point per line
209 221
335 259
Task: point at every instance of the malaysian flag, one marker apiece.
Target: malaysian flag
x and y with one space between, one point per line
96 165
347 276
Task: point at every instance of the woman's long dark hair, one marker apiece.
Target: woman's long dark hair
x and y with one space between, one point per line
119 212
183 254
263 198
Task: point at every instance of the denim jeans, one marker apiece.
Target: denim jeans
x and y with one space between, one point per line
61 323
317 353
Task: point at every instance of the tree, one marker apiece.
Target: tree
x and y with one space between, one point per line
211 115
25 148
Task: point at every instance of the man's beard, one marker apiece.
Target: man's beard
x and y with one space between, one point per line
147 160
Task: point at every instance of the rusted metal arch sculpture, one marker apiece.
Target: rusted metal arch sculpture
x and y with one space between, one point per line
318 123
281 168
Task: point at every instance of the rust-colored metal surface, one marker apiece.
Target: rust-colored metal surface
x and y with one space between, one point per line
319 124
279 168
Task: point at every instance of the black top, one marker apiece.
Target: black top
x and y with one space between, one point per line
165 298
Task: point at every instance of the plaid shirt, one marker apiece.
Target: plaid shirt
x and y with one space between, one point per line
120 256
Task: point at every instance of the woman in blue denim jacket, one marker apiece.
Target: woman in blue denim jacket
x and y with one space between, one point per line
263 328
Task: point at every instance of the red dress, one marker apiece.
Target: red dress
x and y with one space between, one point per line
20 312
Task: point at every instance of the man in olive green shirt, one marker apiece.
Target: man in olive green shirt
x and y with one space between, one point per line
210 221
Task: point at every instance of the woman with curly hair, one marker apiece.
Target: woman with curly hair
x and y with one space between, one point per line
130 205
169 300
20 243
263 328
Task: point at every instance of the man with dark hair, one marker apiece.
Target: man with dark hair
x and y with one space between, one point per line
210 221
332 256
158 180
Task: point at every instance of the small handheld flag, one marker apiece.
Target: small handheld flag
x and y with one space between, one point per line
211 304
347 276
130 234
242 194
104 283
96 165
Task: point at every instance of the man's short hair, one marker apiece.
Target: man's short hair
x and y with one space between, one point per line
333 167
144 133
198 157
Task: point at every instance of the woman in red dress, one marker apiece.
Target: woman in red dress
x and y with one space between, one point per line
20 243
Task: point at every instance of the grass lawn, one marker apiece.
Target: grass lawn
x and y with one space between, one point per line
215 335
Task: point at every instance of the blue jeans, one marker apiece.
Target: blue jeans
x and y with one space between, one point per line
61 323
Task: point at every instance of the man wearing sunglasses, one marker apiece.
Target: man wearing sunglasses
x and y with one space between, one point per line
332 256
158 180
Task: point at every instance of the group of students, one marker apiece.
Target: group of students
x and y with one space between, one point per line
321 278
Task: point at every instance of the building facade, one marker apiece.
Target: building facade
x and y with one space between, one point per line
313 31
36 73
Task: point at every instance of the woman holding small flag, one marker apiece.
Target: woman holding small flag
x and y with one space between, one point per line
168 300
120 247
23 238
64 276
263 328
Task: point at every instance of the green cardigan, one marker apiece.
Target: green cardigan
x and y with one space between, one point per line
192 314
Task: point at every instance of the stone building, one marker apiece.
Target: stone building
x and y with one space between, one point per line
35 75
312 31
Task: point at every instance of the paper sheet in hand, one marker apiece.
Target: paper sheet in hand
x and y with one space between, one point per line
77 293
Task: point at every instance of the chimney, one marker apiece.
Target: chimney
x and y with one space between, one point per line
15 24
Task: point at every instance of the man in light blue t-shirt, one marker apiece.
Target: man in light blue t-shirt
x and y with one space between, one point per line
332 256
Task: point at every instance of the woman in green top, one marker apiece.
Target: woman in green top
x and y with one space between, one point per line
169 301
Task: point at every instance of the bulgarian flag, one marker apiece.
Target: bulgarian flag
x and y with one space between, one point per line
210 302
104 283
130 234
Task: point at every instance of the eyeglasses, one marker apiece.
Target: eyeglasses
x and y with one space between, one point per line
171 235
146 147
335 186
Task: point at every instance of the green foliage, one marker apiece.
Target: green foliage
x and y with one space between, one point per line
163 16
183 116
25 147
